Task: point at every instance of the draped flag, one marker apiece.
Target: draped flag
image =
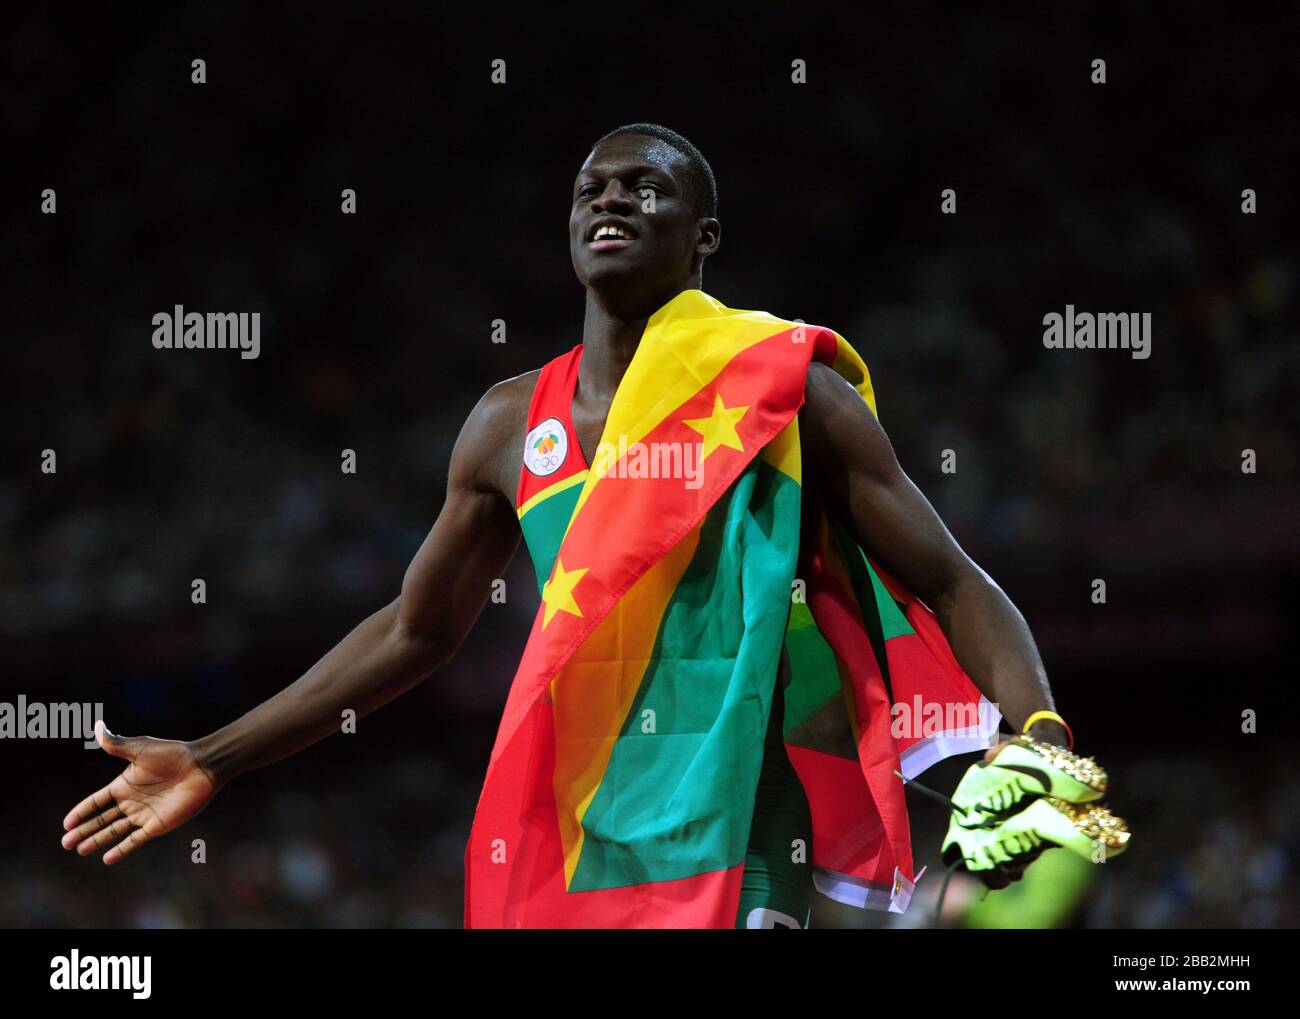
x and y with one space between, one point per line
621 785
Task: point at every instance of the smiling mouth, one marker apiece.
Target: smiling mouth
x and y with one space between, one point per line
610 237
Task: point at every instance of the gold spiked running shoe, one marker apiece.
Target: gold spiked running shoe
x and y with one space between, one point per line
1026 767
1088 829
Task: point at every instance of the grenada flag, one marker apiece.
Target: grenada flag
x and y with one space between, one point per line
621 785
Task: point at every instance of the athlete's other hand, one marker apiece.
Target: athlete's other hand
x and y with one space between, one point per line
162 787
1004 874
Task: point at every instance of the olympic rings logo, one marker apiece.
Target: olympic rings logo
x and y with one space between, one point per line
553 440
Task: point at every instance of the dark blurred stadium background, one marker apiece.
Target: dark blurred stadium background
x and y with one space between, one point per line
1072 465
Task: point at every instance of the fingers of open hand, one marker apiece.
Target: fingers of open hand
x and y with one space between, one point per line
127 846
102 799
106 836
93 826
114 830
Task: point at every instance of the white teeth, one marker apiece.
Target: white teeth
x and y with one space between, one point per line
610 232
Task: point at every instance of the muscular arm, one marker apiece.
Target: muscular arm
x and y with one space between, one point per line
850 462
445 588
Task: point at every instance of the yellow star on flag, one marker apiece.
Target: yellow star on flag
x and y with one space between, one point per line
557 595
719 428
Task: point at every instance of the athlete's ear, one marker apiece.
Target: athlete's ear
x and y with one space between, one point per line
708 237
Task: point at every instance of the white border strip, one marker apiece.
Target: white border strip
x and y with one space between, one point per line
854 891
932 749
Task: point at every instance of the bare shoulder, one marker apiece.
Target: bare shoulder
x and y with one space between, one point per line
827 395
838 431
505 405
823 380
488 450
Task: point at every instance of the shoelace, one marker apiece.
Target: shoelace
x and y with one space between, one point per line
952 808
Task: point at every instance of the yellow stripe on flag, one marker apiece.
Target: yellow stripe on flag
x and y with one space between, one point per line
593 693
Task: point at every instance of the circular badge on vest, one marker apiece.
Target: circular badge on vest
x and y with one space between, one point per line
546 448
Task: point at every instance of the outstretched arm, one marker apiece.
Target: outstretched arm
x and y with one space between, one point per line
446 585
850 461
445 588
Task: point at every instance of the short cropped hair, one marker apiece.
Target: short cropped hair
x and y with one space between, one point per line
701 186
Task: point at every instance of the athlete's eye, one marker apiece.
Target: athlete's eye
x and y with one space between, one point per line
587 190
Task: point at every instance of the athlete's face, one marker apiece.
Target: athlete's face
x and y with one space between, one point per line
645 249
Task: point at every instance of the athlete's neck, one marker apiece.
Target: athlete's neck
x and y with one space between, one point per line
610 335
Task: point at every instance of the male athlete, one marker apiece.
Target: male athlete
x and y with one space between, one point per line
631 262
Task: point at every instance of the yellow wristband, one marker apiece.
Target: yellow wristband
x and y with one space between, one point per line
1050 716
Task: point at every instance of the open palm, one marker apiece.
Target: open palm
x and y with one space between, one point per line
162 788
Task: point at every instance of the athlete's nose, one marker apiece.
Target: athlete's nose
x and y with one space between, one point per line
615 198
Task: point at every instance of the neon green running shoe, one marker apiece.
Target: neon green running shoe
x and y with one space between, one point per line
1026 767
1086 829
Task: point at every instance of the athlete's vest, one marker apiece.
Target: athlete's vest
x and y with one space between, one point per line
553 468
